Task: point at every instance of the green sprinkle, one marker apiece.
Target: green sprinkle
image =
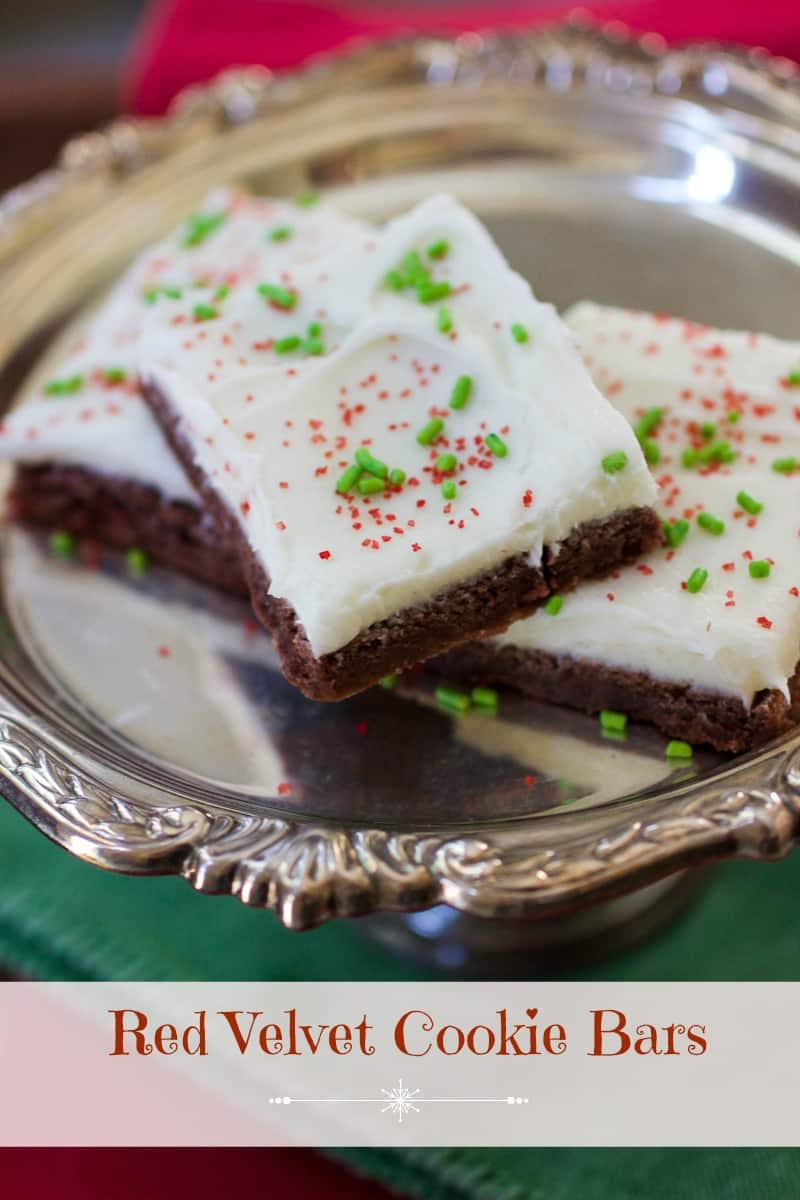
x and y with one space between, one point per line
496 445
397 477
444 320
614 735
368 463
679 750
439 249
747 502
278 295
137 561
61 543
314 329
710 523
462 390
734 416
651 452
485 698
446 462
428 290
519 333
676 533
313 346
612 463
430 432
388 683
348 479
648 421
449 489
716 452
707 430
151 294
793 379
416 271
285 344
394 280
696 580
759 569
689 457
115 375
785 466
204 312
279 233
64 387
554 605
616 721
452 699
199 226
307 198
222 291
370 485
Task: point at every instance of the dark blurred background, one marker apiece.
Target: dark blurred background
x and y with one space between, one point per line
59 70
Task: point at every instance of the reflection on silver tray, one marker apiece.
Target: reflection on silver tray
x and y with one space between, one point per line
606 168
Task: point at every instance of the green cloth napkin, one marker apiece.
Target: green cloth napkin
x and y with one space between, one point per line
61 919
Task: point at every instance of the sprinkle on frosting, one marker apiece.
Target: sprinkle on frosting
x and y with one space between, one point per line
519 333
678 749
462 390
754 507
711 524
758 569
430 432
554 605
64 387
200 226
444 320
496 445
696 580
280 296
612 463
617 722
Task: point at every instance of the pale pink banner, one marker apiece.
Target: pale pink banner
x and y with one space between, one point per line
410 1064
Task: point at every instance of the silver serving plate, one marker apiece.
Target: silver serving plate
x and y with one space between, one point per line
608 168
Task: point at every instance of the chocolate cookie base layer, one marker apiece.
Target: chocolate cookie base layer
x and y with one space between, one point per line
472 609
679 710
124 514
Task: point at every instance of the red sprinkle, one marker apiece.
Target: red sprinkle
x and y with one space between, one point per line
764 622
284 789
164 651
324 553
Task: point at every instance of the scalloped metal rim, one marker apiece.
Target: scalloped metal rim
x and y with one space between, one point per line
309 871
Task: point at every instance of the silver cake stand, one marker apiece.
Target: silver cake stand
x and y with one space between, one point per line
606 167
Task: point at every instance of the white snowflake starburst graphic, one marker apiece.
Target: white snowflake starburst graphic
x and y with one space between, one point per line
400 1100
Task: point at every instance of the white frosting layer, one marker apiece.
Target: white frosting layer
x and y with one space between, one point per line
273 432
738 634
104 426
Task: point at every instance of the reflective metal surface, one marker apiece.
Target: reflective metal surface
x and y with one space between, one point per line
143 724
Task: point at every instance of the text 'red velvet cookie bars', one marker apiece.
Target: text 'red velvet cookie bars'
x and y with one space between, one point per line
702 637
400 442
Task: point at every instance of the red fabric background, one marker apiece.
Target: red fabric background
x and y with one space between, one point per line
173 1174
184 41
